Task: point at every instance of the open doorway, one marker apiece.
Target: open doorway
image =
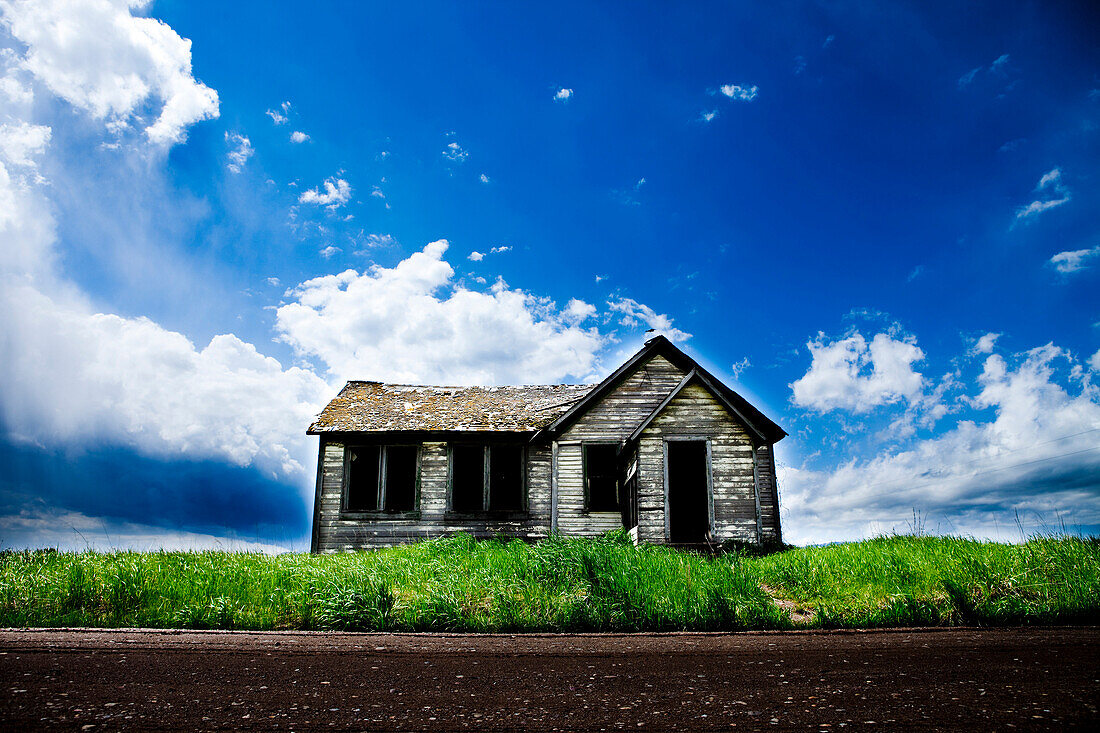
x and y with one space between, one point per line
688 480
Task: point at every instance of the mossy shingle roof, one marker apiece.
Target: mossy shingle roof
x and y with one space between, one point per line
380 407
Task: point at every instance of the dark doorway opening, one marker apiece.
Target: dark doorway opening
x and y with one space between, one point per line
688 504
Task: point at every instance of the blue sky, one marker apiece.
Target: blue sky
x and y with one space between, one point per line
876 221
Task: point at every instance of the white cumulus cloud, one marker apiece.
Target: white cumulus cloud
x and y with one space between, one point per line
985 344
563 95
1035 458
79 375
739 92
852 374
298 137
577 310
100 57
333 193
73 374
632 312
414 323
22 142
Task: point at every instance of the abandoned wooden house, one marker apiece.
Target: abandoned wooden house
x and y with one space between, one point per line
660 448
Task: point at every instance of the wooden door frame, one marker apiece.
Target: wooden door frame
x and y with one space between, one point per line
665 440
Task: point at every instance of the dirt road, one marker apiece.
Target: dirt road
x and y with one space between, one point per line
887 680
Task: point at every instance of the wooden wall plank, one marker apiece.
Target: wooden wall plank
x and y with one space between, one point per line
336 533
613 418
697 413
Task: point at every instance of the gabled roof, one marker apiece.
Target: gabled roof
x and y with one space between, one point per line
379 407
756 421
694 376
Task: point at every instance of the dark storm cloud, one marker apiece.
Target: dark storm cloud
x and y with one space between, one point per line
117 485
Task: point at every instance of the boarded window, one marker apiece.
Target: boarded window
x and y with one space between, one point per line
506 478
467 478
381 477
362 479
400 488
487 478
601 478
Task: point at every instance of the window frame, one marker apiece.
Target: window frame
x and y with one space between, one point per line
486 472
584 478
346 513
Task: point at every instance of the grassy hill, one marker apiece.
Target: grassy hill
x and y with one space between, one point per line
607 584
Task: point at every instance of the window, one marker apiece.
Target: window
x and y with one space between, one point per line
506 478
380 478
601 477
487 478
467 478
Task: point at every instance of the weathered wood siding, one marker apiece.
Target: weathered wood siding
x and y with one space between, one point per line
611 419
573 520
696 413
769 493
624 408
336 532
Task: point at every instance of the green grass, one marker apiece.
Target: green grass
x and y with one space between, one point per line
606 584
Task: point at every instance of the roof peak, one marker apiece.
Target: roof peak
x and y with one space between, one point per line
661 345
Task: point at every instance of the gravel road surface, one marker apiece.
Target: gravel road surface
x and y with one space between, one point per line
1004 679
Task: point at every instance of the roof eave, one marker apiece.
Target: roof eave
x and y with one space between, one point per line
420 431
606 385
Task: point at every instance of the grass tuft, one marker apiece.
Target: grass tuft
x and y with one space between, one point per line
603 584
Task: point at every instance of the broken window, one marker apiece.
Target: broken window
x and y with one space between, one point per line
506 478
381 477
487 478
467 478
399 489
601 477
362 479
